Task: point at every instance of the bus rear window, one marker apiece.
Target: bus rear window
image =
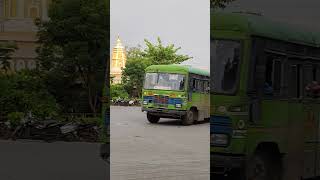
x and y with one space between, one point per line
225 61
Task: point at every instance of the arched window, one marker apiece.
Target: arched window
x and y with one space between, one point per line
13 8
9 8
33 8
33 12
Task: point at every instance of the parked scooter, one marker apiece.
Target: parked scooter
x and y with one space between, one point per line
47 130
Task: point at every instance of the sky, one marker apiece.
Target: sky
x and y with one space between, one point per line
304 13
186 23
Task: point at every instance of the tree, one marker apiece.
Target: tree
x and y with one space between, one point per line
74 45
139 59
219 3
25 92
159 54
6 50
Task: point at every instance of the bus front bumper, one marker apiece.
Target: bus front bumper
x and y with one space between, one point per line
165 113
223 163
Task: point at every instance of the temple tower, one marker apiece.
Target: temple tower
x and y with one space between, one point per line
118 62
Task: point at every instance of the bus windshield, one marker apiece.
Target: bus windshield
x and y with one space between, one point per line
164 81
225 59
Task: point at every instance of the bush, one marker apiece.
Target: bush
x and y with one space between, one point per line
118 91
15 118
26 92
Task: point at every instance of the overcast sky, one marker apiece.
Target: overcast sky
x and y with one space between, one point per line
186 23
305 13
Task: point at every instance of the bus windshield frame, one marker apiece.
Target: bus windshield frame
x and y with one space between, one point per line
176 76
232 59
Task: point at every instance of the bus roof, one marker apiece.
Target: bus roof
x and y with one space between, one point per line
177 68
256 25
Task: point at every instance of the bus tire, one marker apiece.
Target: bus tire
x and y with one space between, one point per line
264 166
188 119
152 118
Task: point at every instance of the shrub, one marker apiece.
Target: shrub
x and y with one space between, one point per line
15 118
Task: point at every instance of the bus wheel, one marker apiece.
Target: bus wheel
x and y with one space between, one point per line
188 119
153 119
263 166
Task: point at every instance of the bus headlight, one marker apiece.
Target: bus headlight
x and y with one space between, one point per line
178 105
219 139
145 102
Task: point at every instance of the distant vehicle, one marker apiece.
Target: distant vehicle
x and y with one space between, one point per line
176 91
264 125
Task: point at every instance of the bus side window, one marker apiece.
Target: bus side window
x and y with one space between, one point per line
194 85
314 73
308 77
277 76
206 86
273 76
295 81
201 89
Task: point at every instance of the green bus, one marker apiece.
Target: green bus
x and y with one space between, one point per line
263 123
176 91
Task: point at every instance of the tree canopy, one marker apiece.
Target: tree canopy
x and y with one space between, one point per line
74 46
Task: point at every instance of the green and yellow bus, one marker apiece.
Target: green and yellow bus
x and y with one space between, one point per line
176 91
263 124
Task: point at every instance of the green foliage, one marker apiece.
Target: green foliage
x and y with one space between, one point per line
138 60
15 118
159 54
219 3
118 91
6 50
74 45
26 92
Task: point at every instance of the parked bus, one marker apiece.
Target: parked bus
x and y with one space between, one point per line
263 123
176 91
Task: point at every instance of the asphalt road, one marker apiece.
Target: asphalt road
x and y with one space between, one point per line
164 151
30 160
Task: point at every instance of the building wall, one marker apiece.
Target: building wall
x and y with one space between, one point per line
17 24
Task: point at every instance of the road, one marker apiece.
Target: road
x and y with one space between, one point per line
164 151
24 160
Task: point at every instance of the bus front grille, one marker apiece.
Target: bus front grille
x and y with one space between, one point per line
161 101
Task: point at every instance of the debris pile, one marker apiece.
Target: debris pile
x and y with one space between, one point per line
50 131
